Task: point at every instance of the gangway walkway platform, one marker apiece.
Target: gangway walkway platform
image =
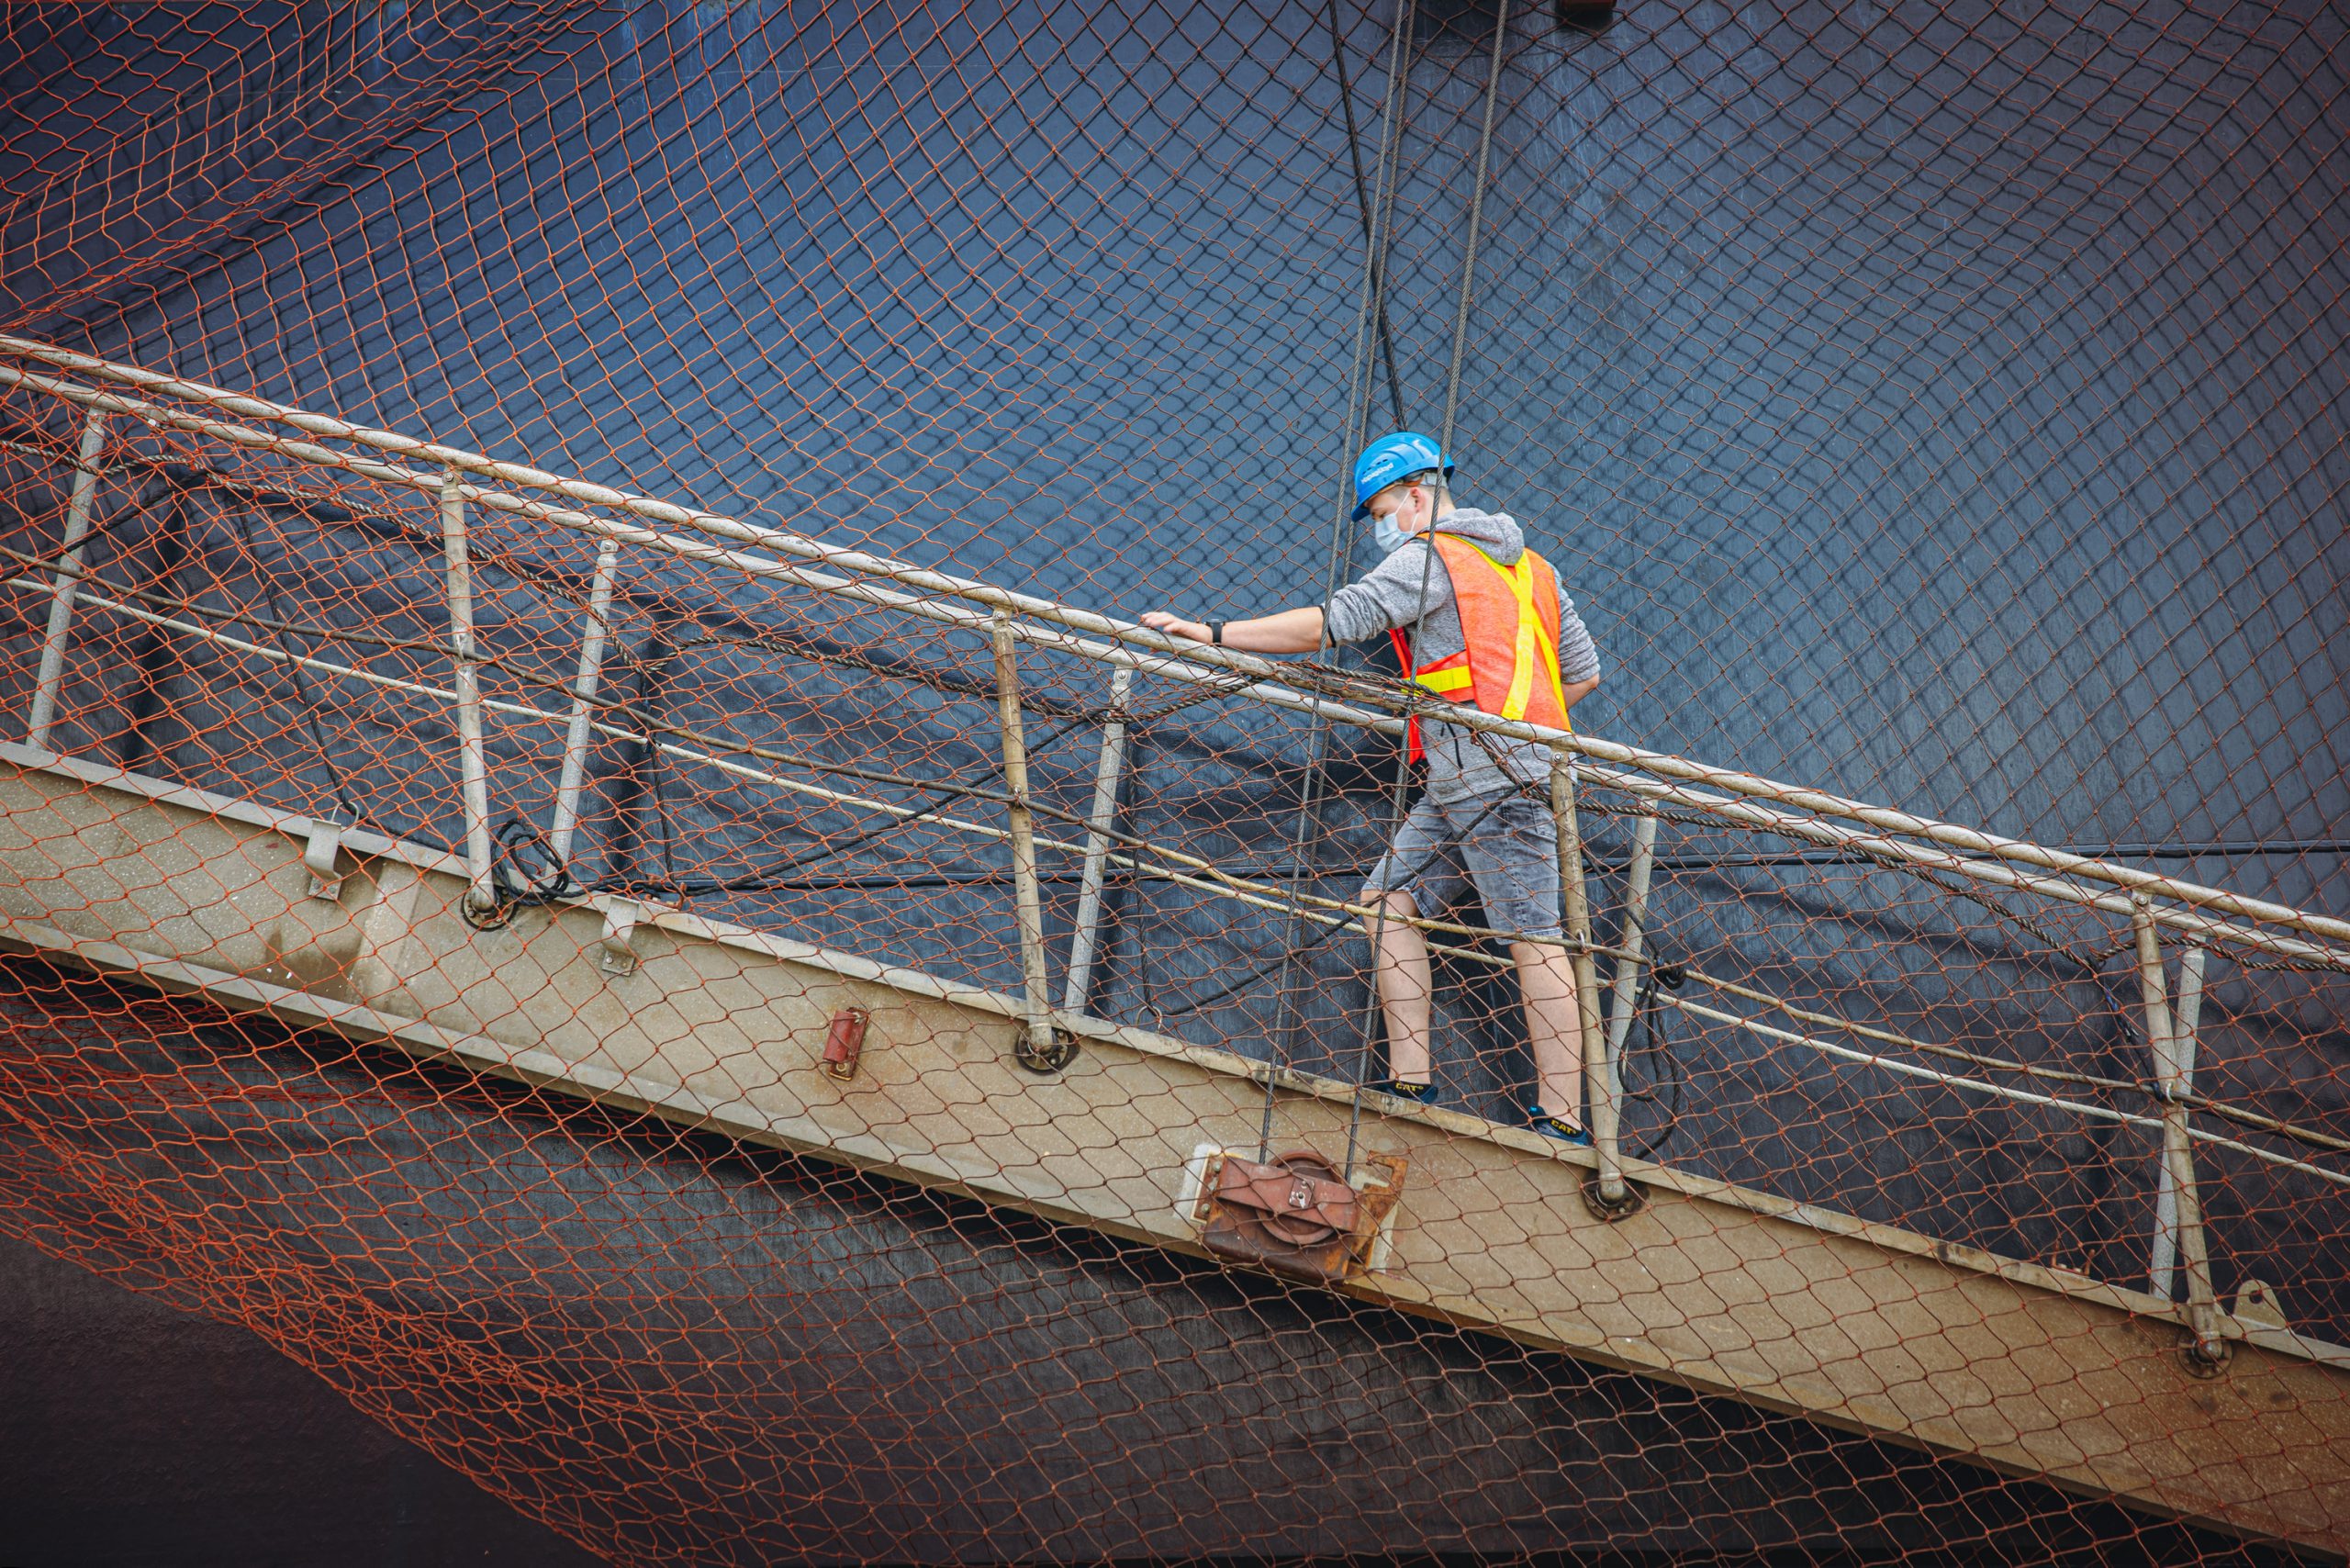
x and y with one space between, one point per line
2034 1370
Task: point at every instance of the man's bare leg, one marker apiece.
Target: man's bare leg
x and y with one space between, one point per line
1400 966
1553 1026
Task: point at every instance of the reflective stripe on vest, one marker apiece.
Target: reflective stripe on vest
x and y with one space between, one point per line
1509 624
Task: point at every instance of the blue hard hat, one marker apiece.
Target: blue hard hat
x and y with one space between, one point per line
1394 457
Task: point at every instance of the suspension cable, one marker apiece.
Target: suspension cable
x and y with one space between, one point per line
1370 316
1372 1012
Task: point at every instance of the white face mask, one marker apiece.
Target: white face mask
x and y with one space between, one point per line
1388 535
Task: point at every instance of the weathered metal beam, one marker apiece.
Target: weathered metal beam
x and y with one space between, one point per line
1629 943
2031 1370
473 757
595 630
2178 1156
1086 928
2175 1073
79 498
1039 1049
1611 1195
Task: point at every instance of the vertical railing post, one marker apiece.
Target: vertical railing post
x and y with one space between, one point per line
2175 1075
1614 1196
593 633
1627 968
79 499
1084 937
2178 1158
1038 1050
473 758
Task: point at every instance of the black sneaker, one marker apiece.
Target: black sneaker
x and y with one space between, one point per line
1549 1126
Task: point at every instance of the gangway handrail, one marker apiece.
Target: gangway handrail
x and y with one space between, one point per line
1190 660
1748 812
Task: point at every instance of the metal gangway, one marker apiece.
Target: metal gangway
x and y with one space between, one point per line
2155 1391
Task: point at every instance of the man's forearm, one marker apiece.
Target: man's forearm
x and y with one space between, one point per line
1289 632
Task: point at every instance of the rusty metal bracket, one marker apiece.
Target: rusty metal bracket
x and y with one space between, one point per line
845 1042
1295 1216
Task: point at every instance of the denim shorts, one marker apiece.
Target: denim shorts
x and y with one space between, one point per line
1507 846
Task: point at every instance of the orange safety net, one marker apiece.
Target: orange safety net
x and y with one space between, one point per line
1933 413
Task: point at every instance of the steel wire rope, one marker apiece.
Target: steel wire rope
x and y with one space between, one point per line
1372 1010
1352 682
652 722
1378 216
813 646
1373 230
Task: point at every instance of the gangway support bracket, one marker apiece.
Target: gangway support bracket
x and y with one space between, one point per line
2257 1302
318 853
616 950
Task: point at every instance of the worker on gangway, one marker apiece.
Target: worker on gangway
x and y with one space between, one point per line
1496 631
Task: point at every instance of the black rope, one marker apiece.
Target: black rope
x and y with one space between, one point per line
335 785
771 878
1290 951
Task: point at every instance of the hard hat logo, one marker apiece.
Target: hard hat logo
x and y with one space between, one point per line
1394 457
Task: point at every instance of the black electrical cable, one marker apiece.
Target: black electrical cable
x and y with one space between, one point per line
767 879
1290 951
524 874
1647 1042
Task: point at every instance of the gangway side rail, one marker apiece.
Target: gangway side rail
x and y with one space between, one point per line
1260 677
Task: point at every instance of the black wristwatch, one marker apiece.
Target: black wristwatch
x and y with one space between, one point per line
1216 633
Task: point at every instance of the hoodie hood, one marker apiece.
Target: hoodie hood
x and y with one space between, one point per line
1495 532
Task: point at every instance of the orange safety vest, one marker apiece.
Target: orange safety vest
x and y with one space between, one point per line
1508 665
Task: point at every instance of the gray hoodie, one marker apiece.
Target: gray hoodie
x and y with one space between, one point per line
1388 598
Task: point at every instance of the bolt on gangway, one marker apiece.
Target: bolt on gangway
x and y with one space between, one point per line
2160 1394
